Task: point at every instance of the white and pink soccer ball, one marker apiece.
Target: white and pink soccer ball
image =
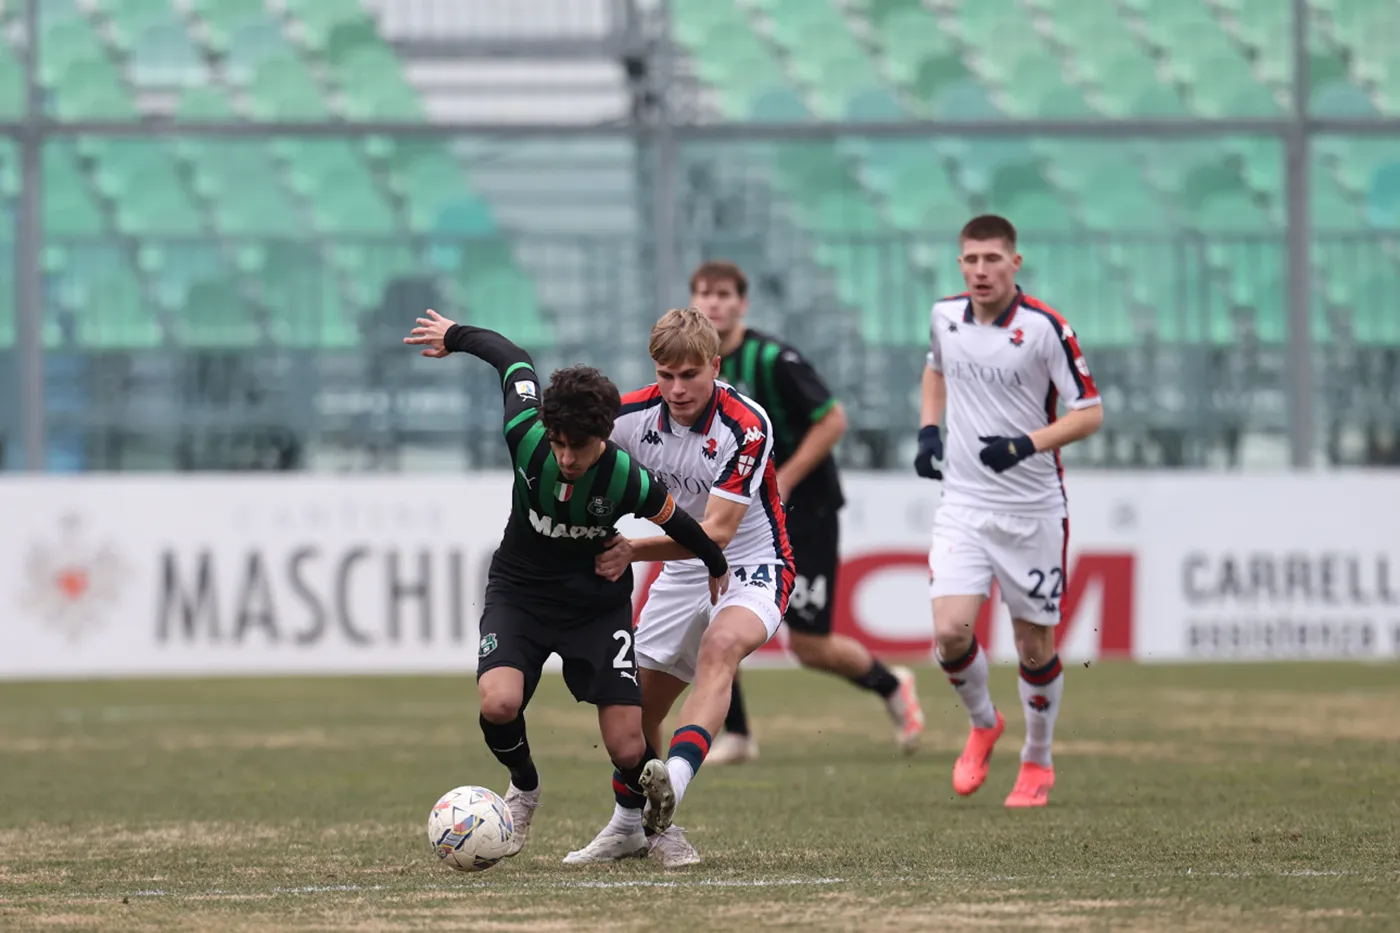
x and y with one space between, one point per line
470 828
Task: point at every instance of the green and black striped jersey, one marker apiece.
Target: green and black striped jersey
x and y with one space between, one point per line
556 526
777 377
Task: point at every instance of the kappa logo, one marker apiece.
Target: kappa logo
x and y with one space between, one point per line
488 645
71 583
599 507
651 437
753 434
1018 337
744 465
1039 702
1082 365
952 327
711 449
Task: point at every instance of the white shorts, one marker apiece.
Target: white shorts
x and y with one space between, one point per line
678 611
1026 556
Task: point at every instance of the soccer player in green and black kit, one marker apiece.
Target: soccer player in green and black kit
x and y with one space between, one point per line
807 423
543 594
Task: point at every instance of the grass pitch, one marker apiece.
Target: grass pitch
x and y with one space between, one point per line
1235 798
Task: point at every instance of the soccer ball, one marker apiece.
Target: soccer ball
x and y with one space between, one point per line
470 828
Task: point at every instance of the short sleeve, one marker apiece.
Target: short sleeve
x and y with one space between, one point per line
745 465
935 351
801 387
1069 371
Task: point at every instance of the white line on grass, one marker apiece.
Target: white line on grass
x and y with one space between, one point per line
512 883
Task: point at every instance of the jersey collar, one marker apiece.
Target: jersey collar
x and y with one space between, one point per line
1004 318
702 424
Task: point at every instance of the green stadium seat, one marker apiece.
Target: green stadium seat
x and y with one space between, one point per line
216 316
12 91
70 209
1383 198
130 18
253 43
223 19
163 55
111 309
240 181
320 19
143 182
372 83
93 89
285 89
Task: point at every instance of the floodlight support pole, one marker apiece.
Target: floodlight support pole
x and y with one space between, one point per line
29 233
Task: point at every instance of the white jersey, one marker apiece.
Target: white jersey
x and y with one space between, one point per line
727 453
1004 379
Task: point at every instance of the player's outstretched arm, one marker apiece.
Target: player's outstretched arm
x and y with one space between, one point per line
439 336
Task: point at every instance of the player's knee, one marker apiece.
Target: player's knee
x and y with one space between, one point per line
625 749
500 706
954 643
721 646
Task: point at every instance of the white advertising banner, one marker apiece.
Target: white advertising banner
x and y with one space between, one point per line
154 575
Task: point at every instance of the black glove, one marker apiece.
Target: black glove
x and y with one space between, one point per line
1003 453
930 449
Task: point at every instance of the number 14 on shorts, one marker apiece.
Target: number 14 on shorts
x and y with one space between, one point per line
760 576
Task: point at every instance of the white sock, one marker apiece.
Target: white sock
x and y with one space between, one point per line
681 772
968 675
1041 691
625 820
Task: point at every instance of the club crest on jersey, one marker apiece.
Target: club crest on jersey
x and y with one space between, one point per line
744 465
599 507
563 491
754 433
488 645
1018 337
711 449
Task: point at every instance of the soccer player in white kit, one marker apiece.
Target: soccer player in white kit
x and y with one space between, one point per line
712 447
998 362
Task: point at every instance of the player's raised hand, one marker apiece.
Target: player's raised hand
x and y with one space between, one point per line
1003 453
930 449
718 587
430 334
615 559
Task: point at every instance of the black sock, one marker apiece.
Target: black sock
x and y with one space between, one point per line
737 720
627 788
878 679
511 748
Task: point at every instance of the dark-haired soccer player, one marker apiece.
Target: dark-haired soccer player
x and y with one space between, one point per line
807 423
543 595
998 362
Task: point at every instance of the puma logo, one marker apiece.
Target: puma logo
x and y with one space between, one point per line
630 675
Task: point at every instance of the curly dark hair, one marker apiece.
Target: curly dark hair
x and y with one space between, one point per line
580 403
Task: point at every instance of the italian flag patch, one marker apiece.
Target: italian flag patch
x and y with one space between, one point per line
563 491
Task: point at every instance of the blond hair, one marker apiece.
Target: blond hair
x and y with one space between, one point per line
683 335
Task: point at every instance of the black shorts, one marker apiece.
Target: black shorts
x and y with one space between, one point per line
815 536
600 660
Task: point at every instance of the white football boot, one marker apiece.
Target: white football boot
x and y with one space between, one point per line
610 845
731 749
673 849
522 806
905 711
